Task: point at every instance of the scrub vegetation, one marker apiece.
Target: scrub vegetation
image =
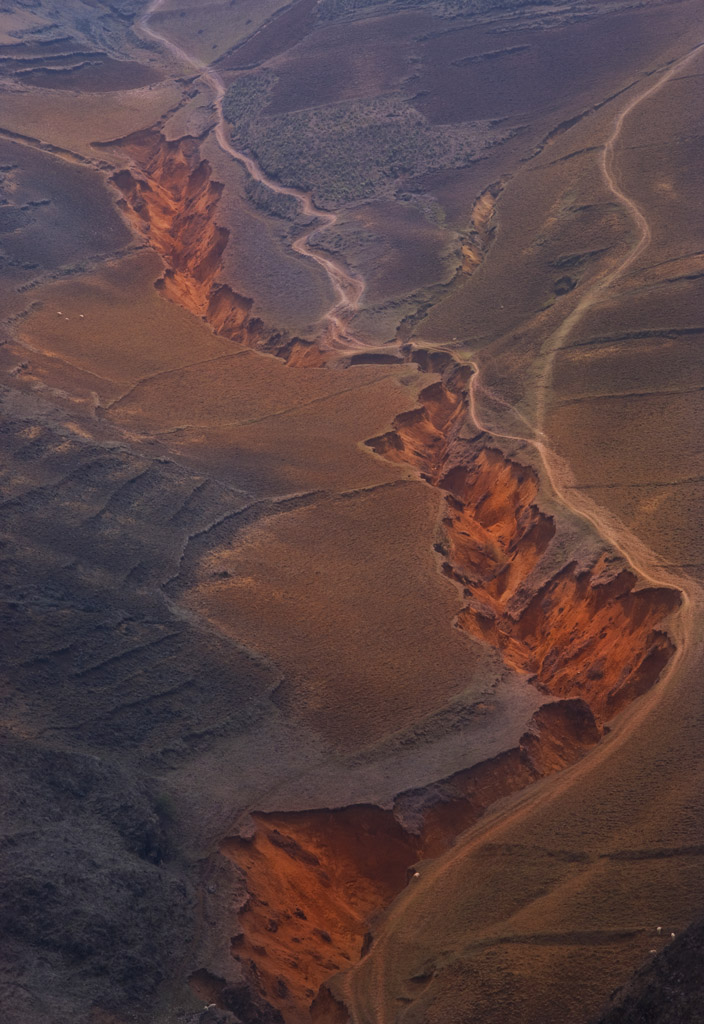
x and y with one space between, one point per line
330 10
349 151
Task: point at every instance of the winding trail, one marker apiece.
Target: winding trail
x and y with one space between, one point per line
639 555
640 222
365 993
347 287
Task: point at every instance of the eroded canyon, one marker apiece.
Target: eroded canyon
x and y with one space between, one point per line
350 540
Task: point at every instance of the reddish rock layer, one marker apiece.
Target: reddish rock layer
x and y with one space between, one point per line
171 199
317 878
585 634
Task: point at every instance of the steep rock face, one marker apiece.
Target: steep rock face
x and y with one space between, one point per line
171 199
421 437
582 632
317 878
481 228
585 634
173 204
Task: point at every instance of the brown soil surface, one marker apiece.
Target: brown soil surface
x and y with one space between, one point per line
103 75
350 557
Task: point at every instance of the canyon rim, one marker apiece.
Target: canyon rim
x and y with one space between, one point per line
351 512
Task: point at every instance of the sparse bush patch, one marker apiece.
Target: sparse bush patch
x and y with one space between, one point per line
351 151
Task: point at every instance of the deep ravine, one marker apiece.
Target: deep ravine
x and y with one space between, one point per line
587 635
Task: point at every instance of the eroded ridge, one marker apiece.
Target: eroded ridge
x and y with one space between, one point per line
347 287
170 198
317 878
482 228
585 635
585 631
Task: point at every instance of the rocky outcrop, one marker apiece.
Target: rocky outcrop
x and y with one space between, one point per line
587 635
317 878
171 199
585 631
